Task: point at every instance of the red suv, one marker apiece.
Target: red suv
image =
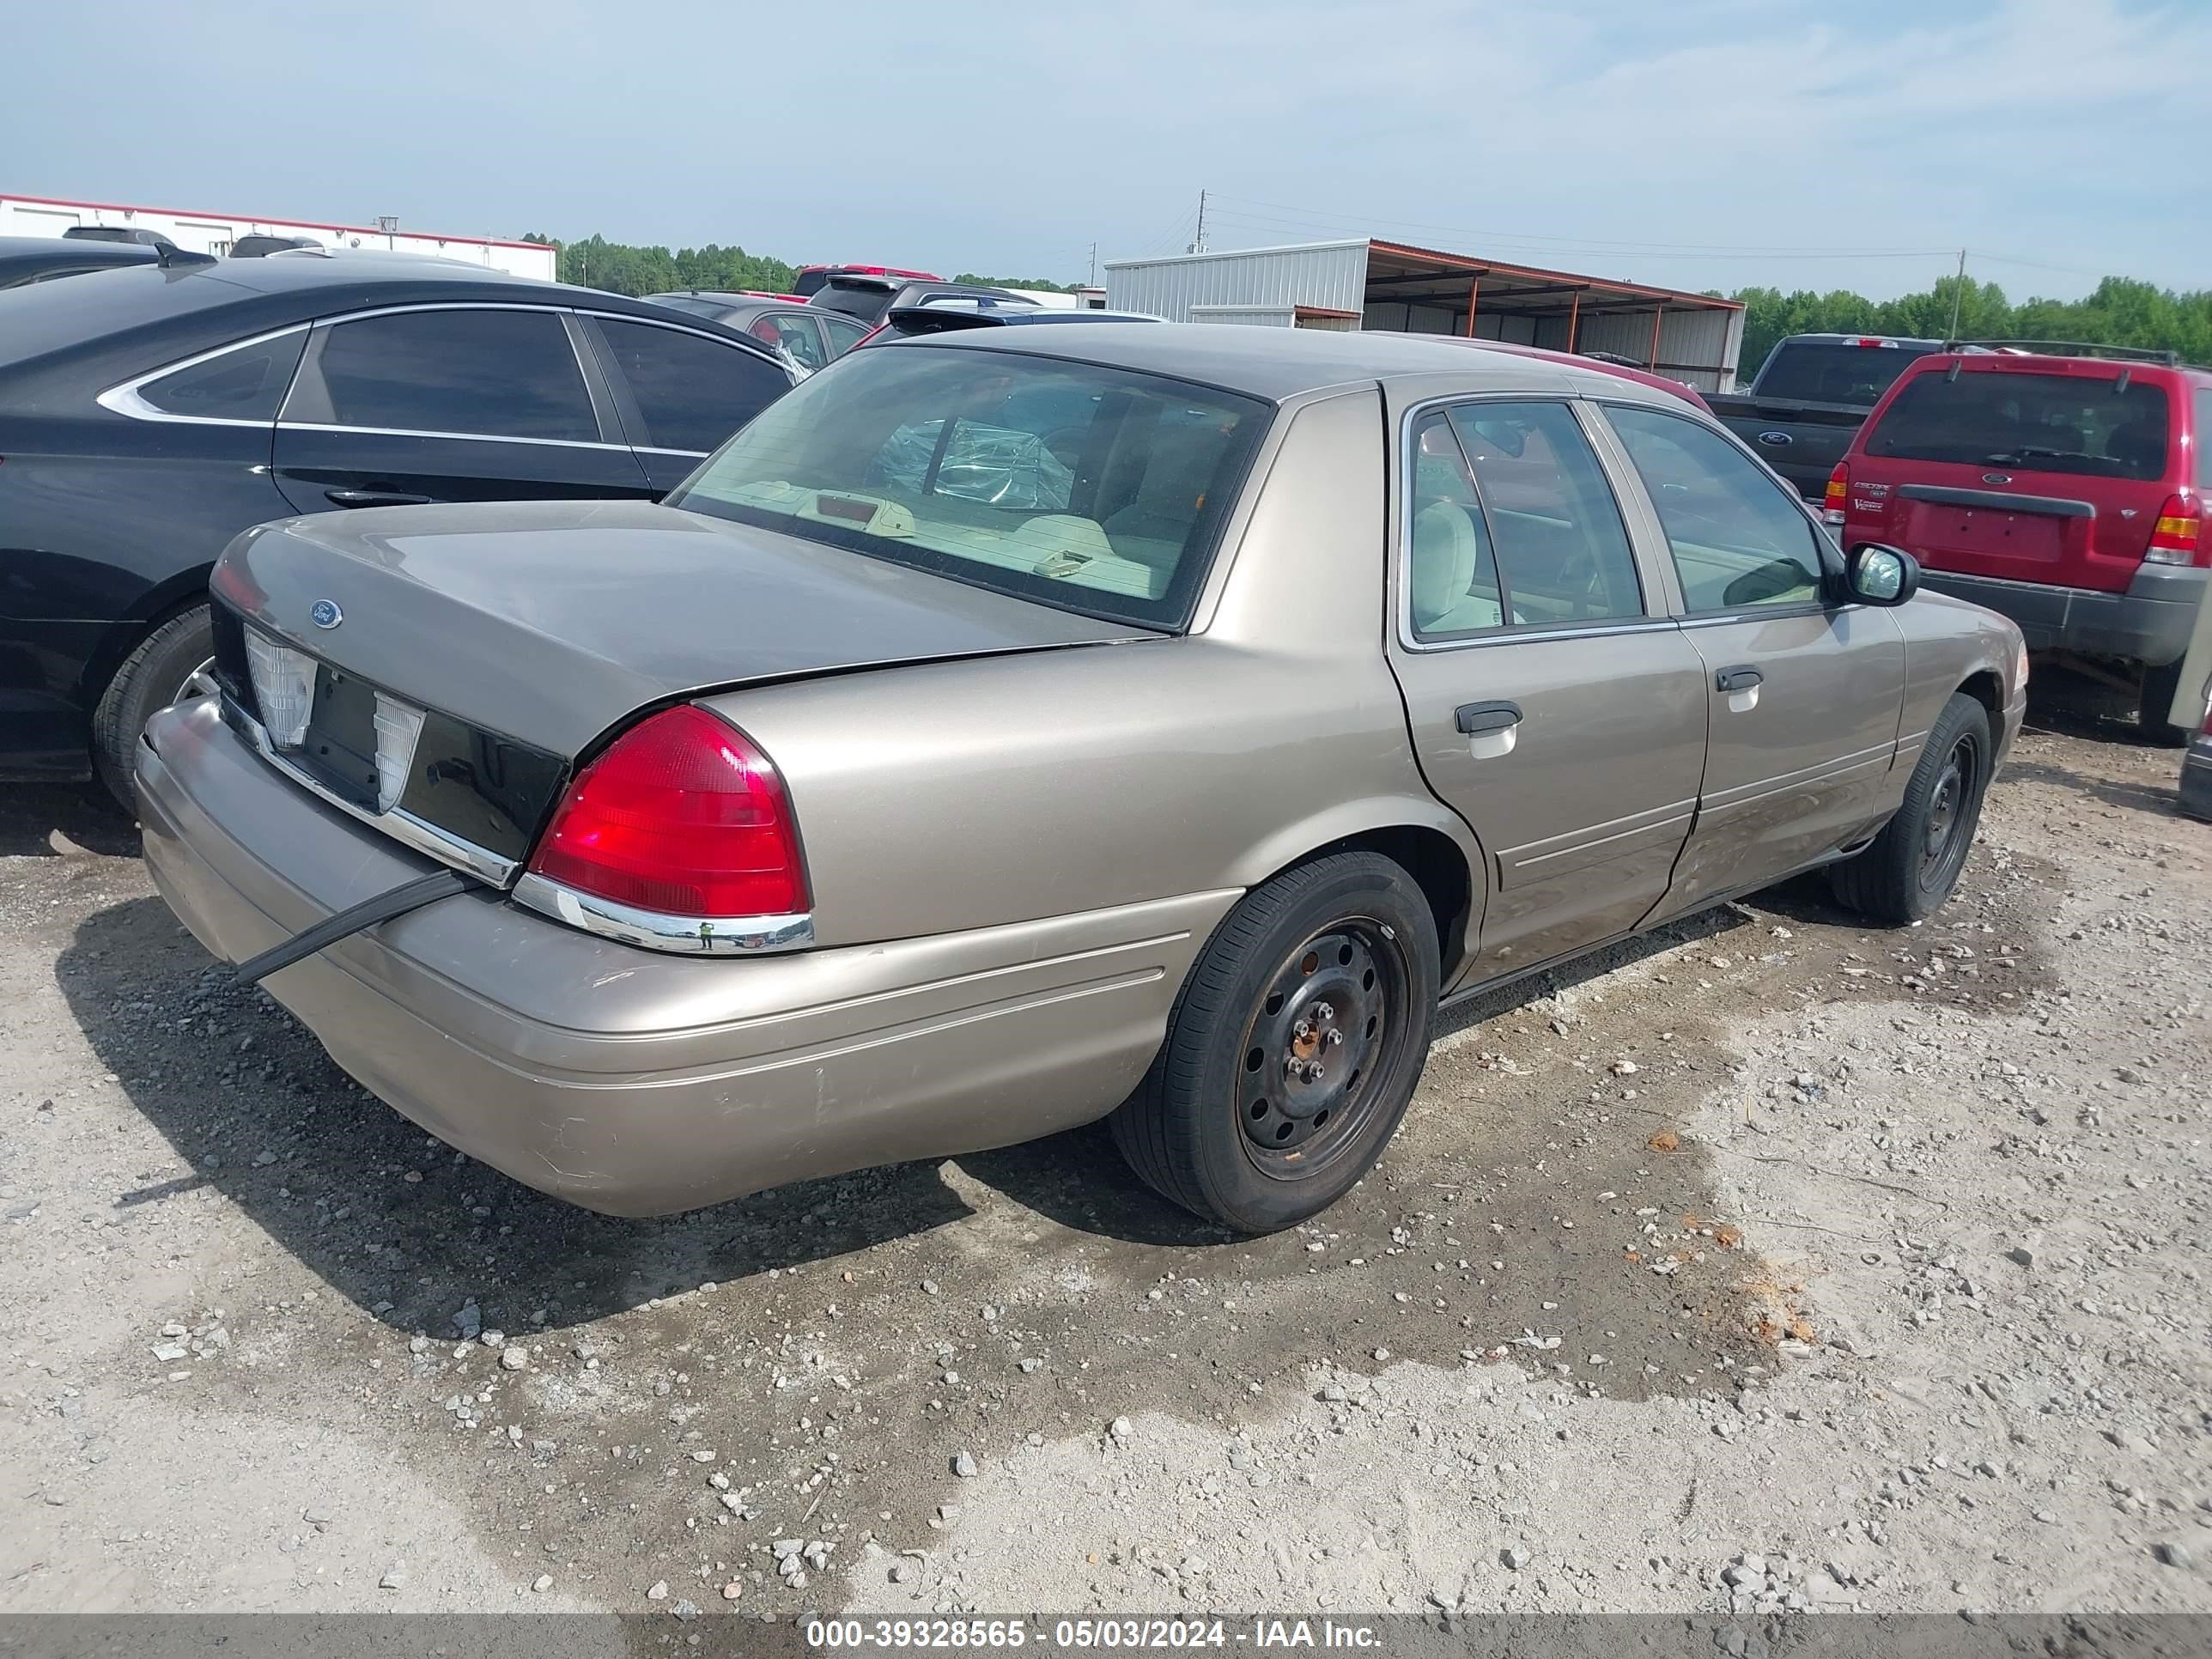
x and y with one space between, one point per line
2062 486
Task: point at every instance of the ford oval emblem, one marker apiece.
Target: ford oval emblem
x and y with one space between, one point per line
1996 478
324 613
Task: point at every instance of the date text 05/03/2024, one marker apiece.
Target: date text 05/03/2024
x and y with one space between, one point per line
1108 1633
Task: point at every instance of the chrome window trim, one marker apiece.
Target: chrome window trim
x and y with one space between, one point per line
720 936
125 399
403 826
1505 632
651 449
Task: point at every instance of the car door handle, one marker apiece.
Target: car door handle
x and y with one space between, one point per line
374 498
1738 679
1476 717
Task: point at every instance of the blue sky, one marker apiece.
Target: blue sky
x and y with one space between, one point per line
1701 144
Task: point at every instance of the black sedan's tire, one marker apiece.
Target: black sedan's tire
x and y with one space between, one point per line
1913 864
170 662
1293 1048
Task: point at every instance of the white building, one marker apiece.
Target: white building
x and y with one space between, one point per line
1372 284
214 232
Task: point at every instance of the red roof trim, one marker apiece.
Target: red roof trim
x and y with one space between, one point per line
266 219
1323 310
1489 267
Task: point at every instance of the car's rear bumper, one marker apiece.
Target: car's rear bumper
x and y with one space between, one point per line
638 1083
2197 777
2149 623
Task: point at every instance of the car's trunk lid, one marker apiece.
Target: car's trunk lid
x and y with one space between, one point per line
522 633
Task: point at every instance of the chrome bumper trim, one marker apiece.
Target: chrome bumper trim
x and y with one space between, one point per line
688 935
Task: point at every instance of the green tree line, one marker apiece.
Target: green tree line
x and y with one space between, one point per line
621 268
2121 311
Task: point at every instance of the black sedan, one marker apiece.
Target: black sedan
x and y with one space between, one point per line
813 337
148 416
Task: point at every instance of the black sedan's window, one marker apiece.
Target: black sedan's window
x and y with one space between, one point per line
244 384
500 373
692 391
1097 490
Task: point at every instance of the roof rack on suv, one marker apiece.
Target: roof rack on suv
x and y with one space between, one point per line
2069 349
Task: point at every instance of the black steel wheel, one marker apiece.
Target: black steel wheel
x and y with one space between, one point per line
1911 866
1293 1048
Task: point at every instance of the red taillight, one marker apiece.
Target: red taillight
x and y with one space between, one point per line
1839 492
681 816
2177 537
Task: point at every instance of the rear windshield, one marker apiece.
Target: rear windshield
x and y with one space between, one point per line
865 301
2071 423
1824 373
1093 490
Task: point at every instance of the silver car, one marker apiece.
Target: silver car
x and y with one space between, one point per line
1015 727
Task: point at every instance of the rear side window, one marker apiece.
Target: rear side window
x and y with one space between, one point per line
794 333
693 392
2203 438
246 384
1738 538
1511 496
494 373
2089 425
843 335
1834 374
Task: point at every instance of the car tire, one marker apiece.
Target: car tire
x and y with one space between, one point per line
165 667
1909 871
2155 702
1292 1048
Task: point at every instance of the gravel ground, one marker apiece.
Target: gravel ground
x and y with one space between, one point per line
1770 1263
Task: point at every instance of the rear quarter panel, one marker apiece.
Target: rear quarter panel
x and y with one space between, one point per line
966 794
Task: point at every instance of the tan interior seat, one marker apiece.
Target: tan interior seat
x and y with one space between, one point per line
1452 590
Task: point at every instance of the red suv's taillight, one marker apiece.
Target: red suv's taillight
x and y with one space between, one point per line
1839 490
2178 537
681 816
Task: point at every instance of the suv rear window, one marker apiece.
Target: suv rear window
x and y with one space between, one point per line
2070 423
1823 373
1092 489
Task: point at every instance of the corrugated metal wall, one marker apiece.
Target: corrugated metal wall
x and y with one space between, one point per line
1249 316
1697 346
1333 275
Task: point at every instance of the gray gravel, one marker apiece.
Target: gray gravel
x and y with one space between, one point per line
1787 1264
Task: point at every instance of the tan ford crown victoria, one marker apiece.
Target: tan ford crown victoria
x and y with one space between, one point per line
1012 728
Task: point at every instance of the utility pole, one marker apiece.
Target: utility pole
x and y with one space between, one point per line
1958 290
1198 245
1093 281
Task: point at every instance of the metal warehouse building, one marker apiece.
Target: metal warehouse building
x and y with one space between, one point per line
1367 283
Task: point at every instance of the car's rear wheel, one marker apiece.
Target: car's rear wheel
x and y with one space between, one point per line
174 662
2155 702
1914 863
1293 1048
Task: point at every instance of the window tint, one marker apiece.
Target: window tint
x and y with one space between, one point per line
1097 490
1511 497
1738 538
2203 439
2073 424
1834 374
503 373
692 391
794 334
843 335
247 384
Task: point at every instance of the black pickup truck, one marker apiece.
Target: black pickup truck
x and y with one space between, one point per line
1811 396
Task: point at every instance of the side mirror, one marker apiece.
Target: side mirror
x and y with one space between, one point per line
1876 574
